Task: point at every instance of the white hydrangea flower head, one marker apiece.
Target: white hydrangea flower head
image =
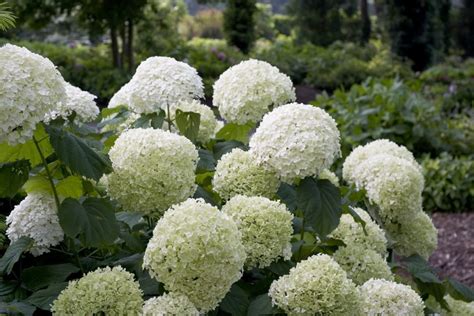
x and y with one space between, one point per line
362 264
121 96
413 235
266 228
382 297
297 141
327 174
208 121
153 169
105 290
160 82
376 147
352 233
31 87
458 308
169 304
78 101
393 184
196 250
238 172
36 217
316 286
248 90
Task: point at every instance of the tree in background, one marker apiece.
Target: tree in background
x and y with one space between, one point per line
466 28
239 23
366 25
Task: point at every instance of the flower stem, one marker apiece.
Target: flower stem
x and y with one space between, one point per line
169 117
300 251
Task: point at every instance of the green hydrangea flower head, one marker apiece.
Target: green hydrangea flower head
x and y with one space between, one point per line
362 264
382 297
111 291
196 250
316 286
266 228
238 172
169 304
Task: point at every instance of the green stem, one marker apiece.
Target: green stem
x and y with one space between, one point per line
300 251
76 255
48 172
169 117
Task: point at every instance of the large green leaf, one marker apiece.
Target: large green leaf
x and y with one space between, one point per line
460 291
16 308
235 302
154 120
13 253
70 187
28 150
77 154
188 124
223 148
39 277
320 202
261 305
44 298
420 269
232 131
12 177
93 220
287 194
206 161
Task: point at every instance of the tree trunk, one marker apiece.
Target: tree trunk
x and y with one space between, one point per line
123 37
366 27
130 58
115 49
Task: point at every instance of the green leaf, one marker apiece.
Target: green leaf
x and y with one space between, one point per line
94 220
12 177
357 218
188 124
459 291
223 148
13 253
232 131
261 305
70 187
320 202
109 111
235 302
287 194
281 267
420 269
7 287
39 277
206 161
44 298
37 184
129 218
15 307
154 120
77 155
28 150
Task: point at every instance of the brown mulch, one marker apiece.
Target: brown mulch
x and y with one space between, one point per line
455 254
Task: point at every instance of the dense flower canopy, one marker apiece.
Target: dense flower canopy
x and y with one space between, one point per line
382 297
297 141
36 217
238 172
160 82
317 285
31 87
153 169
110 291
169 304
266 228
78 101
248 90
196 250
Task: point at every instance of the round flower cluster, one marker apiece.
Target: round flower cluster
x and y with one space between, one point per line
458 308
36 217
80 102
196 250
104 291
297 141
327 174
352 233
160 82
382 297
121 96
393 184
208 123
415 235
316 286
362 264
153 169
377 147
31 87
237 172
266 228
169 304
245 92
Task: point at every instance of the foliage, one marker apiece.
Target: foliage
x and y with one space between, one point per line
449 183
239 23
205 24
7 19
